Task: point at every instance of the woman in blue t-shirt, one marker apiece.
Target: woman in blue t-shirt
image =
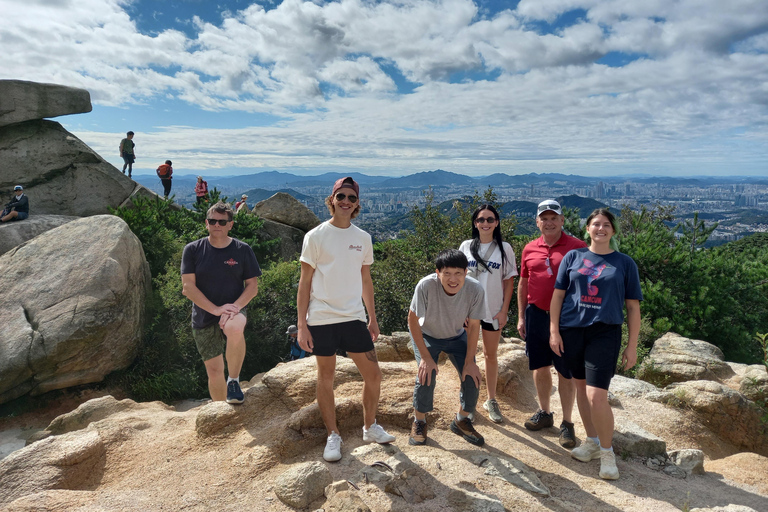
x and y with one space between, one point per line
593 286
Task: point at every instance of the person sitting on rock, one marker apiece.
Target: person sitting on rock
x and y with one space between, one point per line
443 303
220 275
335 281
18 208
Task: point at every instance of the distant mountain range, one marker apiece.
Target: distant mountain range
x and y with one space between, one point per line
438 178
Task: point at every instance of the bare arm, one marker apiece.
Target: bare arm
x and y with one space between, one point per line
302 307
629 357
555 307
522 302
192 292
427 364
370 306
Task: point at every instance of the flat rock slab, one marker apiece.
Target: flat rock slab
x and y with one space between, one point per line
24 101
17 232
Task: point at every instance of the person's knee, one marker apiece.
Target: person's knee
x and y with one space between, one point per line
235 326
215 367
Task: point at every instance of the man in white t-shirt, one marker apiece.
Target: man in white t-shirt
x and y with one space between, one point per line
335 282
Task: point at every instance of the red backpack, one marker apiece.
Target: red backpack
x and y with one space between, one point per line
164 171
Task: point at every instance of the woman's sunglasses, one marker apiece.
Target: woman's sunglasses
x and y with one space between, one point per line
222 222
483 220
341 197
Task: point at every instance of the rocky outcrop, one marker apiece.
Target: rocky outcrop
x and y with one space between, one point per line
24 101
285 209
290 238
72 306
16 233
675 358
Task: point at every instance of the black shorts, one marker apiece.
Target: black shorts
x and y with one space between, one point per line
349 336
592 352
537 347
487 327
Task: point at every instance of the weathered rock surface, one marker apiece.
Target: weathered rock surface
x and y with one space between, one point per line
24 101
726 412
16 233
290 238
60 174
675 358
396 347
690 461
512 471
754 383
72 308
469 501
629 437
286 209
302 483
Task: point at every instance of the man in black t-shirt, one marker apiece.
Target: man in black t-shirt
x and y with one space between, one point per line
220 275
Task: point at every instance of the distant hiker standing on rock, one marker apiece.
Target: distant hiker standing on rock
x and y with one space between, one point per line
593 287
492 263
335 282
441 303
18 208
201 190
165 173
220 275
127 152
539 264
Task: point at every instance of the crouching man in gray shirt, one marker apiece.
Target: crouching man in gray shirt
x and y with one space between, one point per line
442 303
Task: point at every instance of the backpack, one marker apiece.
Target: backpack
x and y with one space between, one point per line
164 171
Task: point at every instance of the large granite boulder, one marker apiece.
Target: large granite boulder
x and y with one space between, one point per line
72 306
17 232
675 358
23 101
286 209
290 238
60 174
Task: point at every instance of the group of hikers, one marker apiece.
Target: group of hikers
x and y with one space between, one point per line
571 301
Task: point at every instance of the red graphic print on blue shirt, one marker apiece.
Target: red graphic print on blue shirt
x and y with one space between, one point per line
592 272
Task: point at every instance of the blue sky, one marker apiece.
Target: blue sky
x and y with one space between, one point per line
591 87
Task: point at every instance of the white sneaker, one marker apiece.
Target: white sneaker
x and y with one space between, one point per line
608 469
586 451
332 451
377 434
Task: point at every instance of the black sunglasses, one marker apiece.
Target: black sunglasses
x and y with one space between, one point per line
222 222
483 220
341 197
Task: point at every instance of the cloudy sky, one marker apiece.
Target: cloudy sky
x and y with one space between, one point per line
591 87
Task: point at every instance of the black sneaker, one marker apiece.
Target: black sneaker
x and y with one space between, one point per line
567 435
234 393
540 420
465 429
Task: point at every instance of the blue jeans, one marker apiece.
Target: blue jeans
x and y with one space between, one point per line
456 349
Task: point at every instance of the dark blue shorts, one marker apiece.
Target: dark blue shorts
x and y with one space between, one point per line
592 352
537 347
351 336
129 158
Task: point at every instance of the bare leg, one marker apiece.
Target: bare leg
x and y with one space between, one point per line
602 415
542 379
584 408
217 384
11 215
490 351
326 371
368 365
233 330
567 392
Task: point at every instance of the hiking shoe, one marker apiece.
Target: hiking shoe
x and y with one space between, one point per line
587 451
234 393
332 451
608 469
567 435
377 434
492 406
465 429
418 433
540 420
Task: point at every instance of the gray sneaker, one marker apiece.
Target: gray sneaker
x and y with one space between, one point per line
492 406
587 451
608 469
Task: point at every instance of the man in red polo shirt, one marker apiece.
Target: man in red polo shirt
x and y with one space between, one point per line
538 271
